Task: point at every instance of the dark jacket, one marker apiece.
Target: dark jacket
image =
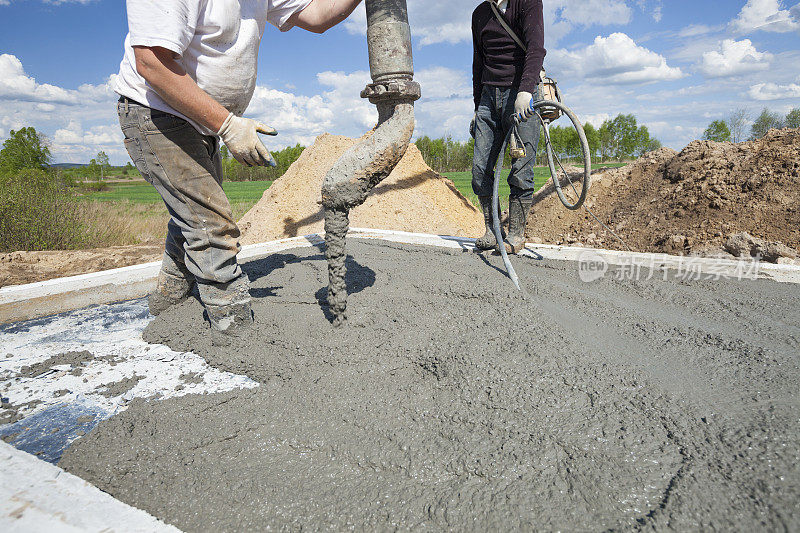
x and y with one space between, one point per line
497 59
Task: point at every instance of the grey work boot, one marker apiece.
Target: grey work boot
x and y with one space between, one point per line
488 241
517 217
174 286
228 308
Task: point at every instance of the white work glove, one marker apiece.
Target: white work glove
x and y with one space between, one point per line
522 107
240 135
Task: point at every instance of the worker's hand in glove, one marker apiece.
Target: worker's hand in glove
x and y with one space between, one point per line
472 125
240 135
522 106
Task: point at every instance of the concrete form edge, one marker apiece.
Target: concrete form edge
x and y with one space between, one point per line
35 300
38 496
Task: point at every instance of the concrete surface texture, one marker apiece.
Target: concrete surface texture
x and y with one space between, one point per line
24 302
449 400
39 497
61 375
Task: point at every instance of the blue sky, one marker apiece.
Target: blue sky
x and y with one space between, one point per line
676 65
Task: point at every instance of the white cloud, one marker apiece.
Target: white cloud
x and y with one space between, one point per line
595 119
97 136
53 2
16 85
766 15
658 13
80 122
734 58
773 91
591 12
444 83
694 30
445 107
615 59
670 130
300 118
450 22
72 134
660 96
61 114
431 22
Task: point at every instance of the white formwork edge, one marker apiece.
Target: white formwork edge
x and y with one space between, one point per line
36 496
24 302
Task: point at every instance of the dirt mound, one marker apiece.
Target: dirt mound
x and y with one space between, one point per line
413 198
690 202
17 268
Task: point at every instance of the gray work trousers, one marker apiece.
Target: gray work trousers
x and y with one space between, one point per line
186 169
493 119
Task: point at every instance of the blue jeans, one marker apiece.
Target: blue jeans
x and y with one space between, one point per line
492 122
186 169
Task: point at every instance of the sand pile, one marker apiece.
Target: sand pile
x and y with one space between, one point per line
690 202
413 198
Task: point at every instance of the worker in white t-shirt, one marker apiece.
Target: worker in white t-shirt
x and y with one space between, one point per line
187 77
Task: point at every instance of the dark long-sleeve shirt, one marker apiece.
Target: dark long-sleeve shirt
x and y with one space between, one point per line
497 59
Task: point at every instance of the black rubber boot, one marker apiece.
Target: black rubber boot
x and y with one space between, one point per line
517 217
174 285
488 241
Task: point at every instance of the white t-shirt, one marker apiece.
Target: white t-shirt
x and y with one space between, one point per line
215 41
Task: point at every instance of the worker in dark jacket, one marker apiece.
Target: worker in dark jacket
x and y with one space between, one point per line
505 78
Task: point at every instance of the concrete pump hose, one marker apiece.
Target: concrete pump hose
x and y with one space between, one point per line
498 234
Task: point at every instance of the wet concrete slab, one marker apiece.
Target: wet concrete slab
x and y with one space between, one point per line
451 401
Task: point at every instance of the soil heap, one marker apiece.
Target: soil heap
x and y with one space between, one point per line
413 198
28 267
655 405
690 202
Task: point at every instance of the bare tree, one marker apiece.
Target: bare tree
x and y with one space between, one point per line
737 123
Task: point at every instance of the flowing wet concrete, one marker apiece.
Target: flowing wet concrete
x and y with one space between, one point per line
450 401
337 223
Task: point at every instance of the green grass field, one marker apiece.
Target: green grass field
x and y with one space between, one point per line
244 194
131 212
463 180
141 192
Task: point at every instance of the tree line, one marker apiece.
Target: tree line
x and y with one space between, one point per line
617 139
234 171
733 128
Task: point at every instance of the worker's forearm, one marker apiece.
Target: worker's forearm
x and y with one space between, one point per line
322 15
182 93
339 10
